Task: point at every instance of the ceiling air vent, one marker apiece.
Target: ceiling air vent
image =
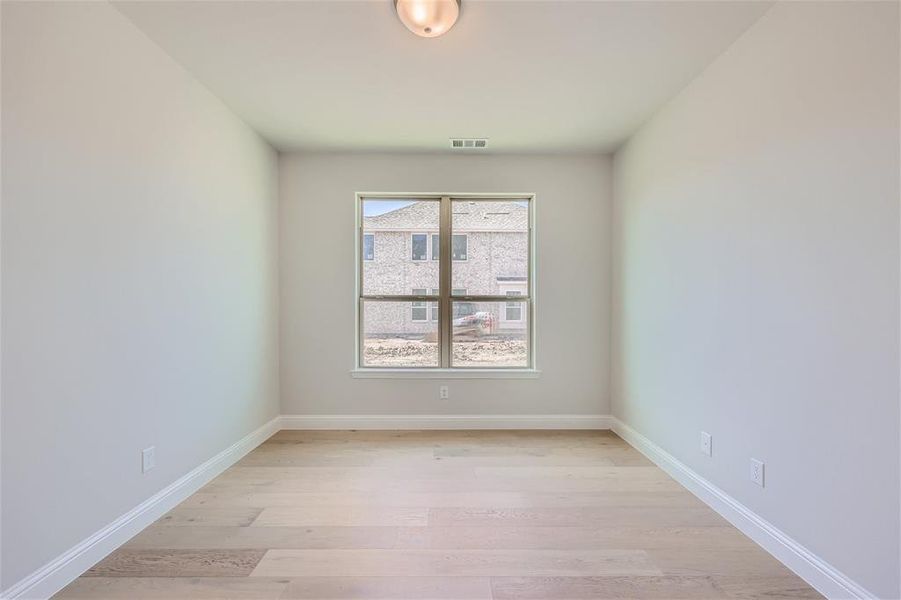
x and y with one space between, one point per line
468 143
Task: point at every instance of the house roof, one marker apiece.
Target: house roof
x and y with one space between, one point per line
469 215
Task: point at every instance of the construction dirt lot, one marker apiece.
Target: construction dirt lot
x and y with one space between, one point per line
484 352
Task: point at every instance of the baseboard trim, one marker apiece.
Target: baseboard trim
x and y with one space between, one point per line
822 576
437 422
61 571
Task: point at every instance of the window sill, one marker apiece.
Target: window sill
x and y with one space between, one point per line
445 373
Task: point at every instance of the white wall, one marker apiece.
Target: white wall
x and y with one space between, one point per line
756 279
139 300
317 282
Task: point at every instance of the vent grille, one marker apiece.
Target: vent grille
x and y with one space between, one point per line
468 143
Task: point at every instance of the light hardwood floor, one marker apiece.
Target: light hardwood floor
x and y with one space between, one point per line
444 515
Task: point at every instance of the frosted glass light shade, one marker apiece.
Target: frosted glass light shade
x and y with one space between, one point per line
428 18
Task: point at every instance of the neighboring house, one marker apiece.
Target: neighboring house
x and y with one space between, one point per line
490 251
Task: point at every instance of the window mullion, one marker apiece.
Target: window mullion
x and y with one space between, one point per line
445 322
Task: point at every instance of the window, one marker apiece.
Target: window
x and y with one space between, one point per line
460 242
455 292
418 309
399 225
513 310
419 246
434 311
456 307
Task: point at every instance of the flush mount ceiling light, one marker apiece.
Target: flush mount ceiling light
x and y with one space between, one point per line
428 18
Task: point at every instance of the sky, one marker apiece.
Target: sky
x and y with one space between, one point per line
373 208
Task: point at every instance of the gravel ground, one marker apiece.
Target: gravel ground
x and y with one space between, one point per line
414 353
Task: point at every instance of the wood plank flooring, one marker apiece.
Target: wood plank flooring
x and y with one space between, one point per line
443 515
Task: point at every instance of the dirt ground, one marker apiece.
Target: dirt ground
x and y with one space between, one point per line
471 353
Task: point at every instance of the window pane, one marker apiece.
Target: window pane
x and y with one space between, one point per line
513 310
418 246
434 306
482 339
418 310
400 255
393 223
458 249
393 338
495 253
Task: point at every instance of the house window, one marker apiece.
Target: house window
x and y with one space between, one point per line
419 310
459 246
455 292
419 246
433 312
513 310
455 312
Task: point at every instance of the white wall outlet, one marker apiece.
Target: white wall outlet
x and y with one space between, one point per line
706 444
443 392
148 458
757 471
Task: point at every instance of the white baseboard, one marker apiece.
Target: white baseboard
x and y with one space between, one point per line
412 422
62 570
825 578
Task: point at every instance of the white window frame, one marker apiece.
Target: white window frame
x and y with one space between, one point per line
507 307
447 371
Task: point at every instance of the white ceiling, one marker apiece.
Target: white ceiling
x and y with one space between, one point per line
533 76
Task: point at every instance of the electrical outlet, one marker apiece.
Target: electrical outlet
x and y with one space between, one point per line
706 444
443 392
148 458
757 471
